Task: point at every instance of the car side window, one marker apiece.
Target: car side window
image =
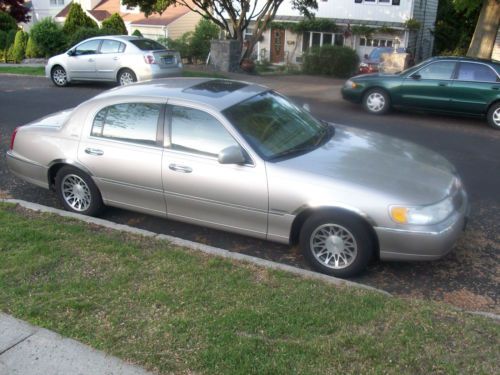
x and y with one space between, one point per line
87 48
198 132
476 72
129 122
112 46
438 70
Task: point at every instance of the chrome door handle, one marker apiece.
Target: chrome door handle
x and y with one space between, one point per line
442 84
94 151
91 60
180 168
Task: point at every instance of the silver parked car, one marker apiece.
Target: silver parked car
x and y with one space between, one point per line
122 59
240 157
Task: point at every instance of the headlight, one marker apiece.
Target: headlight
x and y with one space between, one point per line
363 65
351 84
422 215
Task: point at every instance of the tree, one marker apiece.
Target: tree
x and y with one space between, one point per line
19 49
7 22
114 25
77 18
49 37
32 50
204 32
234 17
137 33
16 9
483 40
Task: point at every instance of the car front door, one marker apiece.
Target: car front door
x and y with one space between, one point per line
81 62
122 149
475 87
199 189
430 87
108 60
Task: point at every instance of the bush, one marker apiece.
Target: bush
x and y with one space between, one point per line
32 50
137 33
204 32
335 61
114 25
455 52
76 19
19 48
182 44
49 37
7 22
83 33
10 36
3 40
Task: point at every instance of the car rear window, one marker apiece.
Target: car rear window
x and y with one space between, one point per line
147 44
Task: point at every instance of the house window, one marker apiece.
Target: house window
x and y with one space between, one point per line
375 42
55 3
381 2
317 39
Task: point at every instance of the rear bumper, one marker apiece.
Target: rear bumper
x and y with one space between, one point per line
154 71
430 244
27 170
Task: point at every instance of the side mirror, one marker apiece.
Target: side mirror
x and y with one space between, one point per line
232 155
71 52
416 76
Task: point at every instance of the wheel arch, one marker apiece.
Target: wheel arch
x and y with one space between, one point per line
56 64
377 87
307 212
495 101
56 165
121 69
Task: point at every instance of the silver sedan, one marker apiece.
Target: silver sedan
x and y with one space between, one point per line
123 59
240 157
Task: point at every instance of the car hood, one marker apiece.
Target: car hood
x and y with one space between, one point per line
383 165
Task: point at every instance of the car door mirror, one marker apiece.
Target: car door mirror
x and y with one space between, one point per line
71 52
416 76
232 155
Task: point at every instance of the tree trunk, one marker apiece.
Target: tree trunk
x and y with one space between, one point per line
483 40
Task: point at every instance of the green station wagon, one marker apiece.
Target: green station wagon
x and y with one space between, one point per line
455 85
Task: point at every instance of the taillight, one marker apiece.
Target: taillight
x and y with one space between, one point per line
150 59
12 139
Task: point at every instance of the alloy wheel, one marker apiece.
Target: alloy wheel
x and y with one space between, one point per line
375 102
59 76
333 246
126 78
76 192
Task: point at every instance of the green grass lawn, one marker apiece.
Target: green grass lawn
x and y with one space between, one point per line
176 311
26 70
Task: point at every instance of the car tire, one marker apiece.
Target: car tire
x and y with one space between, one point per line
126 77
493 116
77 192
336 244
59 76
376 101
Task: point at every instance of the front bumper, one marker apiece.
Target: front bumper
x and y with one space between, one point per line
432 243
351 95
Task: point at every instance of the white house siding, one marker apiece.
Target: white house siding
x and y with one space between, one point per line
173 30
422 40
45 8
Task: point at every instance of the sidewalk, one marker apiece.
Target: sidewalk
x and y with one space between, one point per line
30 350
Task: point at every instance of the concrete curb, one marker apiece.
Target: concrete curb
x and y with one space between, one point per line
197 246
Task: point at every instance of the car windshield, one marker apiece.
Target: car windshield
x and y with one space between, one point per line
147 44
413 68
276 128
375 54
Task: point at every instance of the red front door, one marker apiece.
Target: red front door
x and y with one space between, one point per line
277 45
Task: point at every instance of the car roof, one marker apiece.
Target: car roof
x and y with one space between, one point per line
466 58
217 93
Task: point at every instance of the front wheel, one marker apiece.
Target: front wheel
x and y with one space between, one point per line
493 116
126 77
377 102
336 244
59 76
77 191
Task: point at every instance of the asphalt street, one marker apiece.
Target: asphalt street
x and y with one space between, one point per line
468 277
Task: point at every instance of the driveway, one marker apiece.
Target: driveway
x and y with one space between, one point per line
468 277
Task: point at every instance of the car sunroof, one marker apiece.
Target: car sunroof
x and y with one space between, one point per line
215 88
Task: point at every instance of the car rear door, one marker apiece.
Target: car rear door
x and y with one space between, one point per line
82 61
109 59
430 87
475 87
199 189
122 147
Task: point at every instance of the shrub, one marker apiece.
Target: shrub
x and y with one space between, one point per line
204 32
336 61
137 33
19 48
32 49
10 36
49 37
3 39
77 18
7 22
182 44
114 25
83 33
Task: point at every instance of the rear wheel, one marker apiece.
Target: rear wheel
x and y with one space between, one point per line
494 116
77 191
126 77
59 76
376 101
336 244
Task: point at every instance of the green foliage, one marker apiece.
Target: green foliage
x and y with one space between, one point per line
412 24
454 28
137 33
7 22
363 30
49 37
314 24
19 47
114 25
336 61
3 40
83 33
384 29
77 18
204 32
10 36
182 44
32 50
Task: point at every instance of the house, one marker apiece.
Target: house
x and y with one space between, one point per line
175 21
387 21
